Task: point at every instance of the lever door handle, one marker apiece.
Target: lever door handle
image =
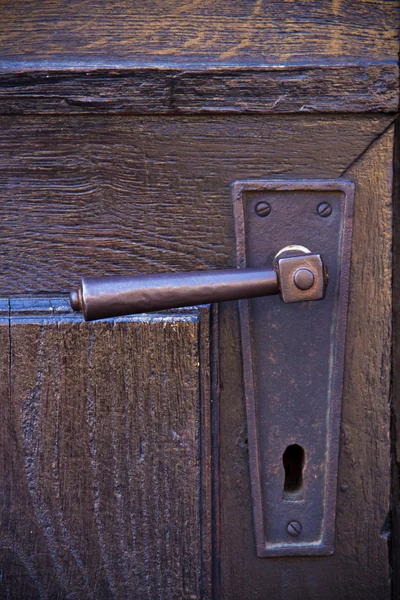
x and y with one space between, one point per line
296 274
292 356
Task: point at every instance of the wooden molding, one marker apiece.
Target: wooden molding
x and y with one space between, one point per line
320 88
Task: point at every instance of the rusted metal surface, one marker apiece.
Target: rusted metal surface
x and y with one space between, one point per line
102 297
293 364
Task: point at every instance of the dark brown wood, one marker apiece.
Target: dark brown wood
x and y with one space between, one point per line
198 31
105 455
90 196
359 568
364 476
283 89
123 126
393 526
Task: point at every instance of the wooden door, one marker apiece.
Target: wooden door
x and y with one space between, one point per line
124 447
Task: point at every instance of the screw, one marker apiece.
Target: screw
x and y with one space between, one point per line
294 528
303 279
324 209
262 209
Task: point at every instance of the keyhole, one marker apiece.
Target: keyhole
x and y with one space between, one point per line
293 463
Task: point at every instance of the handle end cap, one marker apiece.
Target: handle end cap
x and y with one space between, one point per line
75 300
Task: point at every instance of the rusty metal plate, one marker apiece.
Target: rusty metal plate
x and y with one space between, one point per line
293 357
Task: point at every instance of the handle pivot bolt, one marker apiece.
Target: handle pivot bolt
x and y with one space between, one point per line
303 279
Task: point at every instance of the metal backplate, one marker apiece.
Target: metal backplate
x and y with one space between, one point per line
293 358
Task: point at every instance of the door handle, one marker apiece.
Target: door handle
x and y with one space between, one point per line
292 354
297 275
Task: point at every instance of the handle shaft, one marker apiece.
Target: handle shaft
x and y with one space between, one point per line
102 297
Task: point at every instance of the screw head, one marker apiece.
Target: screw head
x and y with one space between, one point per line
324 209
262 209
294 528
303 279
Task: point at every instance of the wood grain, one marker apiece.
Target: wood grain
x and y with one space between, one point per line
359 568
93 195
364 468
148 112
311 88
395 540
105 486
87 32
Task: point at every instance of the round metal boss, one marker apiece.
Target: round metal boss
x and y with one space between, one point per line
303 279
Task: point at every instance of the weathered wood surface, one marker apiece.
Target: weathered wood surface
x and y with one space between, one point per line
105 490
81 439
278 56
90 195
396 374
281 89
87 32
360 567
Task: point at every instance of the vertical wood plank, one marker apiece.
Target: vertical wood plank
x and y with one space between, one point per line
109 488
396 373
364 485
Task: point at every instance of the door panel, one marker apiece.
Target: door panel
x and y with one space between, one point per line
105 444
155 197
359 567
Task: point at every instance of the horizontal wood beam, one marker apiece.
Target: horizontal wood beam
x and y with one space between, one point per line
325 88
